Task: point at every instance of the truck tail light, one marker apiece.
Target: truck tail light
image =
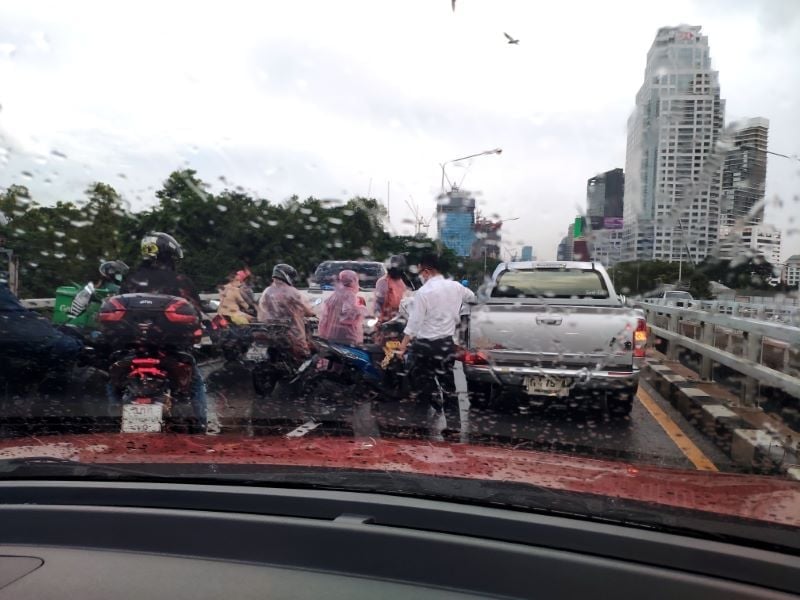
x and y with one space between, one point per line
111 311
475 358
640 339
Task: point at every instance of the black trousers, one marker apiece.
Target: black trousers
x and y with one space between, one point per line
431 361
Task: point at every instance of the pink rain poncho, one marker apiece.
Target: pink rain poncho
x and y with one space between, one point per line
343 315
281 302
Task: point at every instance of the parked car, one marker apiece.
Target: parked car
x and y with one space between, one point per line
554 330
322 283
678 298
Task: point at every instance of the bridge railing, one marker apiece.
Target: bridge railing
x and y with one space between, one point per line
764 352
788 314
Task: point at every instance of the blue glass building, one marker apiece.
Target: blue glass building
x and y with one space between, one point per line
455 213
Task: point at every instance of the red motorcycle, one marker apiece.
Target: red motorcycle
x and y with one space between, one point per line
150 376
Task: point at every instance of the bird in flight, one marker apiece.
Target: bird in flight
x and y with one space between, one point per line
510 39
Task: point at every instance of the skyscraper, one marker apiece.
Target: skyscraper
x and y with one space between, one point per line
486 238
604 196
604 208
672 176
565 250
744 176
455 212
750 241
527 253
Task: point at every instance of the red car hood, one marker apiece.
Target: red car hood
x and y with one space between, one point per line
768 499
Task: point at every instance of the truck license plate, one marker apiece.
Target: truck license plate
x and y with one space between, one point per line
545 385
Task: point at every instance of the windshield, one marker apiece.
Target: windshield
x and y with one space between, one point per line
550 283
368 273
275 176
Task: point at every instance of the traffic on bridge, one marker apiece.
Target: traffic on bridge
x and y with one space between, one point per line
380 296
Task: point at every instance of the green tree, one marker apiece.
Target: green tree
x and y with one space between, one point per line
699 285
106 212
641 277
752 273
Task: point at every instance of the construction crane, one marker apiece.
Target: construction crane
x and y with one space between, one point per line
419 220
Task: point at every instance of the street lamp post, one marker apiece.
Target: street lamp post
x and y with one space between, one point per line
455 160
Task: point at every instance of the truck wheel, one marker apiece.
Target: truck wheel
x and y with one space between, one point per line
480 394
620 403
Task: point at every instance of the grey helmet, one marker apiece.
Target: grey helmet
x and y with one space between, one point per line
285 273
114 270
397 266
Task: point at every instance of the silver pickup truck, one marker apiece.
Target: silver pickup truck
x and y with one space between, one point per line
551 330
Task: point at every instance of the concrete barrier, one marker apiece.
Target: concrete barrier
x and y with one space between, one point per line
752 449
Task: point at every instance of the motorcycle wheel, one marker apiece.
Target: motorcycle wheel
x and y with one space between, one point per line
263 384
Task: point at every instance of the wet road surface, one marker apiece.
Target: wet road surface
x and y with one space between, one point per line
654 433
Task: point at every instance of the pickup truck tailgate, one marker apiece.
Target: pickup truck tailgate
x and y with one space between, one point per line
537 335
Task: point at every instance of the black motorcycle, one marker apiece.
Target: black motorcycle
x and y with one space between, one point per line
271 359
151 369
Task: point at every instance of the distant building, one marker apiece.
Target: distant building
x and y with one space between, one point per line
753 240
564 249
791 272
455 212
672 176
744 176
604 210
527 253
604 197
486 239
580 239
606 246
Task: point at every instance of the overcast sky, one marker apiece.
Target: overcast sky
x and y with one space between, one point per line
336 98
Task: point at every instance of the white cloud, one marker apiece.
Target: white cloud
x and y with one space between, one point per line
322 97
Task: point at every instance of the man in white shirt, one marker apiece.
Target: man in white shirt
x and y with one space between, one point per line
432 321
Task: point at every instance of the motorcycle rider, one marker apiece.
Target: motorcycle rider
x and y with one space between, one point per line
432 321
157 275
342 317
232 302
112 273
390 289
245 276
281 301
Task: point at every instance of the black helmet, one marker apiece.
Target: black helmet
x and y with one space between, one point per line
397 265
161 247
286 273
114 270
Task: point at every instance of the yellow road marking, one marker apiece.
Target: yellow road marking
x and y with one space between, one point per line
692 452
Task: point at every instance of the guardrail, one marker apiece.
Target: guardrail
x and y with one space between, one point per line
765 352
788 314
